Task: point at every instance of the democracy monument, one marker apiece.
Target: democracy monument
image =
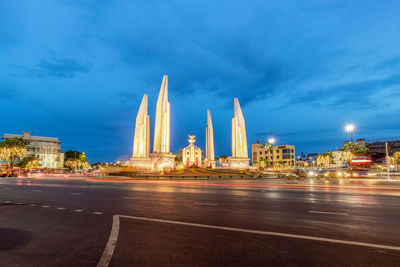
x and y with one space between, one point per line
162 159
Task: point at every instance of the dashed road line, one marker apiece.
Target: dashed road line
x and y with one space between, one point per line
206 204
328 212
32 205
61 208
45 206
78 210
7 201
130 197
98 212
19 203
75 193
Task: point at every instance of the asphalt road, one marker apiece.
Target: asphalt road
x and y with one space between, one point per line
46 222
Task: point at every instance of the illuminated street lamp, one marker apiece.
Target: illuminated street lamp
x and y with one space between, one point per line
350 128
271 140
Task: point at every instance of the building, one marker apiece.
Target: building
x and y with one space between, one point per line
278 156
46 149
192 155
377 148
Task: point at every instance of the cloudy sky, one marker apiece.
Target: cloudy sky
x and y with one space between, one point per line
77 70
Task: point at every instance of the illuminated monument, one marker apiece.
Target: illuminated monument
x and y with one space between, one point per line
210 157
239 159
141 141
191 155
161 157
162 126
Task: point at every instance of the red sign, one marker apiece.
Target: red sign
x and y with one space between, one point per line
362 160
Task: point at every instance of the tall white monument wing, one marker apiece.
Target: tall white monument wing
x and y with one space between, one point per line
239 140
141 141
209 138
162 123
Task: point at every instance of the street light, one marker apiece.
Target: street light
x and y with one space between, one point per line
350 128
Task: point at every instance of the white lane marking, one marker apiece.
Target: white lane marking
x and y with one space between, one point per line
78 210
207 204
61 208
7 201
36 190
112 241
45 206
73 193
19 203
129 197
32 205
328 212
97 212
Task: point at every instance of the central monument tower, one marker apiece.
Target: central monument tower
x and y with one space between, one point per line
161 157
240 158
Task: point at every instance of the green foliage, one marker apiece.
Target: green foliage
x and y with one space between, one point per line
71 154
75 160
13 149
356 149
29 163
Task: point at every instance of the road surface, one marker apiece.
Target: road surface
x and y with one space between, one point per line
54 222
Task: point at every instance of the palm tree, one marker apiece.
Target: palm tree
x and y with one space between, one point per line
268 147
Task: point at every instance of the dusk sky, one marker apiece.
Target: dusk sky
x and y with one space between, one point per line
77 70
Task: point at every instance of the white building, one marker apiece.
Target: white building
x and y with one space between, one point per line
46 149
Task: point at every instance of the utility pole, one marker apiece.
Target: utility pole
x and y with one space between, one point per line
387 160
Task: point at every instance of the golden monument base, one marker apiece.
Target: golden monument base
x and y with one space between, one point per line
238 163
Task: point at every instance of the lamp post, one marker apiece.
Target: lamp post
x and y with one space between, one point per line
350 128
271 142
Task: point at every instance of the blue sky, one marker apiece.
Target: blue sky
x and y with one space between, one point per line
77 70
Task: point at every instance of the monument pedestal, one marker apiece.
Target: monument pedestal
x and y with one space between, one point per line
162 161
210 164
141 163
238 163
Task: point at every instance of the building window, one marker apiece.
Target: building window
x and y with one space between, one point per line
260 152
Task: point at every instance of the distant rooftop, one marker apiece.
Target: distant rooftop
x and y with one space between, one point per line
28 136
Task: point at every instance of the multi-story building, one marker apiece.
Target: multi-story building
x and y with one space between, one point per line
377 147
46 149
283 155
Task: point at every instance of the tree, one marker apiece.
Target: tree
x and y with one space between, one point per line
75 160
395 160
73 164
30 163
346 156
13 149
325 159
71 154
356 149
261 164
